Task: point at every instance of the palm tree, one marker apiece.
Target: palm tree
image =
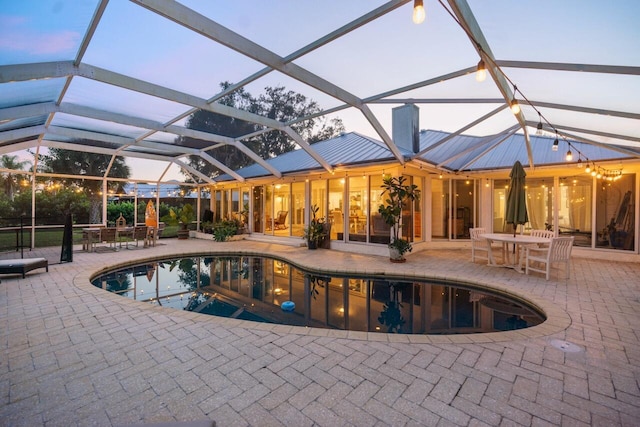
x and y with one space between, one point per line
10 180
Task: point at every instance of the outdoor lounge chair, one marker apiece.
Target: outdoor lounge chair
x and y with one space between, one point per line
22 266
541 259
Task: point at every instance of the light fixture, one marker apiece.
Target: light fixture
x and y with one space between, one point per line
481 72
579 161
587 169
515 107
539 129
418 12
569 156
554 147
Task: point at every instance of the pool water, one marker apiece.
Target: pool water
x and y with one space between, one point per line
254 288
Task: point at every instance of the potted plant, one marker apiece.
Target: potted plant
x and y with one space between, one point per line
182 217
398 194
315 232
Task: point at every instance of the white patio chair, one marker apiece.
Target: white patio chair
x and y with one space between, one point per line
547 234
541 259
479 244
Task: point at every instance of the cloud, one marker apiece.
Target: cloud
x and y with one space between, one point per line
14 37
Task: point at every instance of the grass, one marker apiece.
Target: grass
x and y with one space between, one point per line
53 237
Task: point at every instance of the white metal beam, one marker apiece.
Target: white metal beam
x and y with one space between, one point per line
560 128
462 129
194 172
373 120
31 131
468 22
216 32
616 148
563 66
588 110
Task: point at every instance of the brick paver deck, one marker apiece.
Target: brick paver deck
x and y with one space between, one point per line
72 354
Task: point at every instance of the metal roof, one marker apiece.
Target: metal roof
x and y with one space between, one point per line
126 74
462 153
349 149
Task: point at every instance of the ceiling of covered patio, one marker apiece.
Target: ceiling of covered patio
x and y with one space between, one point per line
122 77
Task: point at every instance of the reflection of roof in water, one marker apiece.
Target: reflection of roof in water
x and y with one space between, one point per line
498 304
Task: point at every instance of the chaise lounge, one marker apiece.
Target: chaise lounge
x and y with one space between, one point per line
22 266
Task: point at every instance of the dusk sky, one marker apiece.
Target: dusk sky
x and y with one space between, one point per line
380 56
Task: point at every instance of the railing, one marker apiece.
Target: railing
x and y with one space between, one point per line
21 226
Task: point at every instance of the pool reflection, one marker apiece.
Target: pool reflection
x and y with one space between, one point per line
254 288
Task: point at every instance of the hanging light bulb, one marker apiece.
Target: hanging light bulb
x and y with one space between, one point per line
579 161
569 156
481 72
539 129
515 107
418 12
587 169
554 147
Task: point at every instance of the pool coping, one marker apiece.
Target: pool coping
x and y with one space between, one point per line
557 320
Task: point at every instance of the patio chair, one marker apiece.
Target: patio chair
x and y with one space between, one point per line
547 234
280 222
140 233
478 244
109 235
541 259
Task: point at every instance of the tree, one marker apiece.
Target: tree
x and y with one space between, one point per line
276 103
10 180
61 161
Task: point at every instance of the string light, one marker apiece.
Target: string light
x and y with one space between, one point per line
569 156
515 107
481 72
418 12
554 147
539 129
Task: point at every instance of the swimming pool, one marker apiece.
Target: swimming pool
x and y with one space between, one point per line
256 288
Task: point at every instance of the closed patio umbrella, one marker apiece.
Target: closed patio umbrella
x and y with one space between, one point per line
516 198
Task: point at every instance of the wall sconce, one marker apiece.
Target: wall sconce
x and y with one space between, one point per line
418 12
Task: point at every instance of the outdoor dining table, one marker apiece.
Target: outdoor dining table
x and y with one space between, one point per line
518 241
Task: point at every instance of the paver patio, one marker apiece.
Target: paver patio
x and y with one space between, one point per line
72 354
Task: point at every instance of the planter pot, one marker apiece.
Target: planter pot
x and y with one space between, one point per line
183 234
395 255
312 244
